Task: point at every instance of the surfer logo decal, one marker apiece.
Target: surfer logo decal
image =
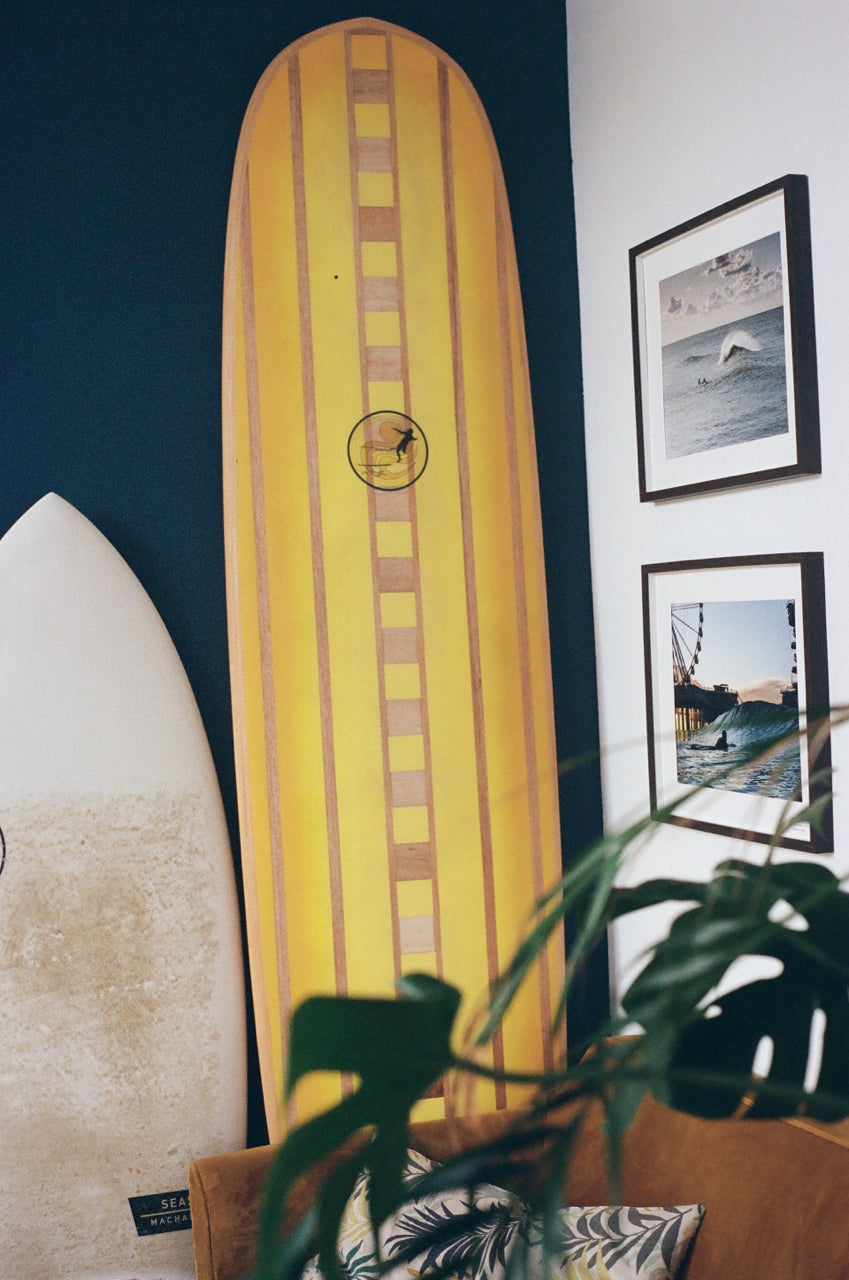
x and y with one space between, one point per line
387 450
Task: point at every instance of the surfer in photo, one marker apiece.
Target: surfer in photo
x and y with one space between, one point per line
721 743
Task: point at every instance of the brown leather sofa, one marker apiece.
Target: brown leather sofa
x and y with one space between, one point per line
776 1191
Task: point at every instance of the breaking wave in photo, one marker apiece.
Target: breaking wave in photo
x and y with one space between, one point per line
726 385
750 729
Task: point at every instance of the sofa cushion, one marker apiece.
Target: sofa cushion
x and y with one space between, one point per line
596 1243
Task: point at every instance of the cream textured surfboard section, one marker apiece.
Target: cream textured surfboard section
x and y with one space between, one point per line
121 996
386 596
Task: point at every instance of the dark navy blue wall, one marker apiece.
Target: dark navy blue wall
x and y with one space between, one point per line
119 124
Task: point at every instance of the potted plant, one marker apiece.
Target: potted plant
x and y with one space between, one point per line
694 1051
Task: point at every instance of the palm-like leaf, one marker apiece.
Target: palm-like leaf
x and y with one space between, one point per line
460 1239
610 1235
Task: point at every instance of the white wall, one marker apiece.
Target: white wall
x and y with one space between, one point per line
676 107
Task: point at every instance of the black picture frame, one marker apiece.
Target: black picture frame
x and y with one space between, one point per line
737 617
724 346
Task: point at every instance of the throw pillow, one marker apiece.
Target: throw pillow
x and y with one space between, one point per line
616 1242
498 1237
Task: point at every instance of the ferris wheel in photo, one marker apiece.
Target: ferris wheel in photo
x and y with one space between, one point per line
687 629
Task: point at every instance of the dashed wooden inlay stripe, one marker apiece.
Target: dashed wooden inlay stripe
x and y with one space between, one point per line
396 573
412 861
391 504
400 644
374 155
408 792
380 293
409 788
377 223
384 364
403 717
368 84
417 936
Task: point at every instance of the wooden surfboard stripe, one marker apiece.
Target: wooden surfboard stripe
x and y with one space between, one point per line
464 469
272 762
284 995
319 582
405 789
531 763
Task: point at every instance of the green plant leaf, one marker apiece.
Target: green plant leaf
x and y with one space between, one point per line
652 892
692 1036
395 1049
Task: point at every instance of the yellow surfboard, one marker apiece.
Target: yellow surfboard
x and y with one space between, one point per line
386 598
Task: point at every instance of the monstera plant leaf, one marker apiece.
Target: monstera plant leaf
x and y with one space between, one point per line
700 1048
394 1050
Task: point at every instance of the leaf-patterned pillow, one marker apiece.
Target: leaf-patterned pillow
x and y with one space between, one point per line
355 1243
497 1216
455 1233
615 1242
478 1235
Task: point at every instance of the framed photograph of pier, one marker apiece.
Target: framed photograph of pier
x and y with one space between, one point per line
725 374
737 697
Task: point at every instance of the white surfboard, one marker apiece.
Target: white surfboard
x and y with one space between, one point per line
122 1032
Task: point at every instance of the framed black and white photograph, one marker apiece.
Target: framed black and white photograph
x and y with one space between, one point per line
724 346
737 696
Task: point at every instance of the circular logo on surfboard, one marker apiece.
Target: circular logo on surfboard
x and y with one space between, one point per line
387 450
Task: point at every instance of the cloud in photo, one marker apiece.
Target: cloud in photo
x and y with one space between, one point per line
724 290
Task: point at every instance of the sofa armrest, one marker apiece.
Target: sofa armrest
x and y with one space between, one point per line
224 1195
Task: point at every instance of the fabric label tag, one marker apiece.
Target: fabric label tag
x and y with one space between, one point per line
154 1215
